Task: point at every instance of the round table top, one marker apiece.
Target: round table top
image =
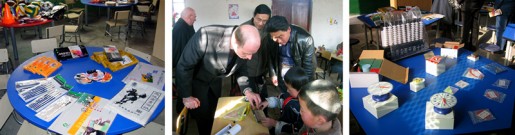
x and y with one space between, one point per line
22 25
88 2
68 70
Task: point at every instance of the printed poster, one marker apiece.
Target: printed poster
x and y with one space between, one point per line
137 101
149 74
233 11
89 115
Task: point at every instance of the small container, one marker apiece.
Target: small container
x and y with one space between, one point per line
366 68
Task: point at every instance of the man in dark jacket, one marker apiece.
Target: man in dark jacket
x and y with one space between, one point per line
182 32
214 52
470 14
257 67
293 46
506 7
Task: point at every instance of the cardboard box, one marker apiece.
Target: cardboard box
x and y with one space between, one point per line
379 109
449 49
438 121
387 68
362 79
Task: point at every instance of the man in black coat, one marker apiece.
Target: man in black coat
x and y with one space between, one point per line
470 16
214 52
292 46
182 32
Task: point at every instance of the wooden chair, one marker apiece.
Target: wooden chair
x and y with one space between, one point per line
5 63
56 32
182 122
43 45
324 67
6 109
74 29
140 54
121 19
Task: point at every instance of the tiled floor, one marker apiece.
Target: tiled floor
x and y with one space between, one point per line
92 35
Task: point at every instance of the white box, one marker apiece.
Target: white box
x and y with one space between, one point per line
473 58
449 52
379 109
438 121
362 79
435 68
416 87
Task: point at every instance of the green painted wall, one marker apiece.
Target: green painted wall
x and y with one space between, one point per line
366 6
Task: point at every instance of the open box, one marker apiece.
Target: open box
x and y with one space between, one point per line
449 49
387 69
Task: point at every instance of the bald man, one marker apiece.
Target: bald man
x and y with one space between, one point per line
214 52
182 32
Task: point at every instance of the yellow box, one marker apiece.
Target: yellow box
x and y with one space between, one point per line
101 58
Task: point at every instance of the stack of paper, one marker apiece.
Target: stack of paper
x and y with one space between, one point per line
137 101
146 73
88 115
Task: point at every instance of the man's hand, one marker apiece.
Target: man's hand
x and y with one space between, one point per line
263 105
275 81
267 122
253 98
191 102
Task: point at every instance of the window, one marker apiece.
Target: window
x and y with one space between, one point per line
177 7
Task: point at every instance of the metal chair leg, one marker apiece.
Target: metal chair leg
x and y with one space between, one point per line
79 37
16 118
76 41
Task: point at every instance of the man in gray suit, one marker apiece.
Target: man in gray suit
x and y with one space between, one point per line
212 53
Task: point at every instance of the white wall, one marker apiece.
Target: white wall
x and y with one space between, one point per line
159 40
216 12
322 32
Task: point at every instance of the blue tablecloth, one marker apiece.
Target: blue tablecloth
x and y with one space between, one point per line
68 70
409 118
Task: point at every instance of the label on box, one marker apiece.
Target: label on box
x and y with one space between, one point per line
435 59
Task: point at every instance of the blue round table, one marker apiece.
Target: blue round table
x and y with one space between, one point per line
68 70
88 3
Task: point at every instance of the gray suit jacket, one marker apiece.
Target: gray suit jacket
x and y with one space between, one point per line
204 62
